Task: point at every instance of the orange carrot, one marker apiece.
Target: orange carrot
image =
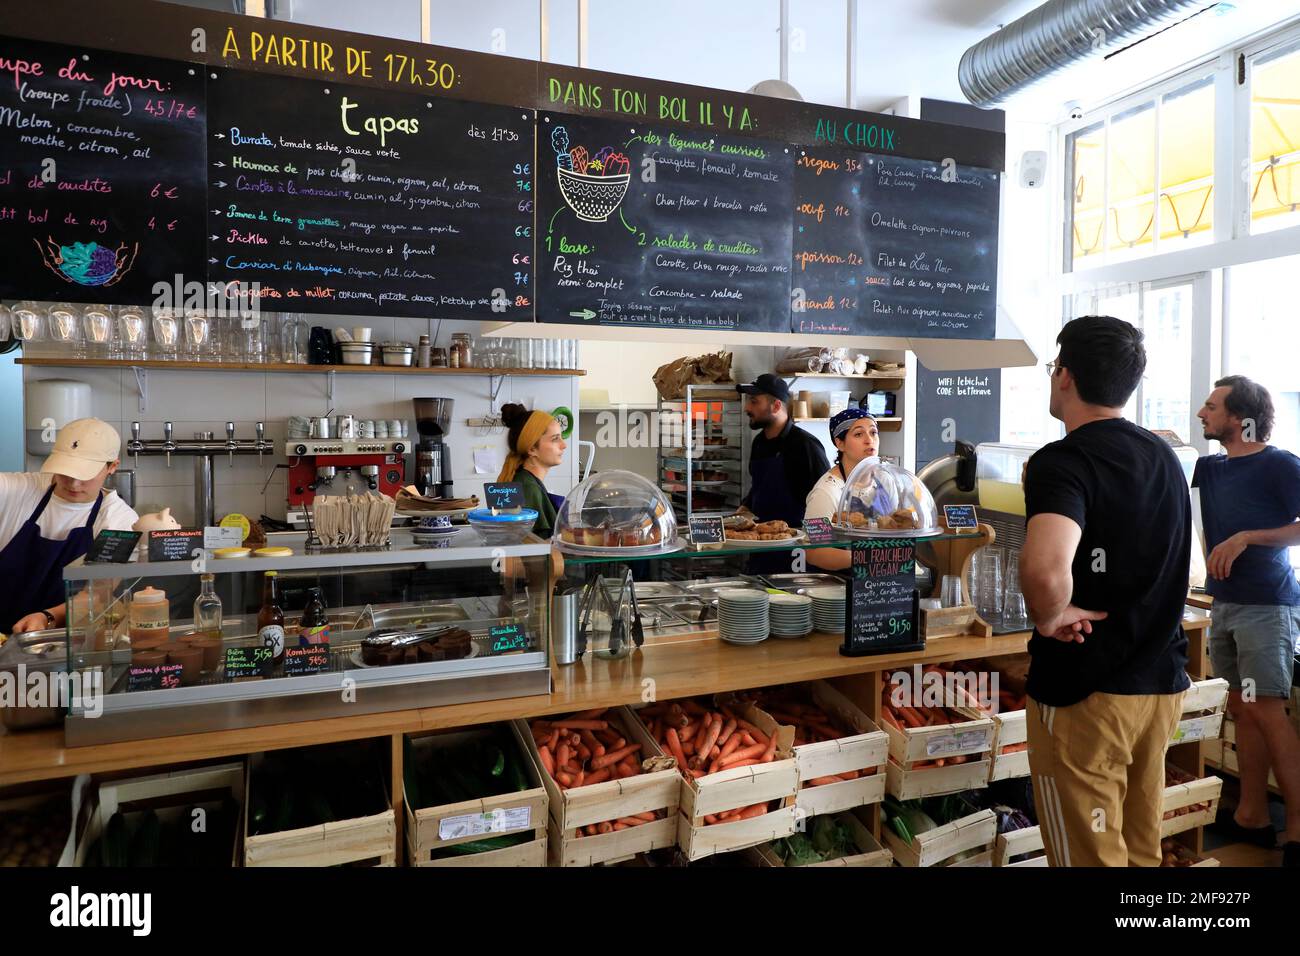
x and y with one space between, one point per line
710 819
631 821
727 730
564 778
888 716
732 746
552 740
573 767
589 714
710 738
755 752
604 827
749 762
688 732
598 776
583 753
822 781
757 810
562 754
547 761
769 752
675 748
910 716
593 745
614 756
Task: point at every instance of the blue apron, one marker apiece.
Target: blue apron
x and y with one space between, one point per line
770 500
34 565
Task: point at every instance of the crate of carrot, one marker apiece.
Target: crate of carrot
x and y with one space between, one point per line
938 743
840 752
739 777
613 792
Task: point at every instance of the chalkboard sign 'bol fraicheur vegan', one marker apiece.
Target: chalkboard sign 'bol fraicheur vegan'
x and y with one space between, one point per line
882 612
352 200
659 227
101 173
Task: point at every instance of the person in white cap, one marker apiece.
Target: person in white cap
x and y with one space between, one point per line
48 520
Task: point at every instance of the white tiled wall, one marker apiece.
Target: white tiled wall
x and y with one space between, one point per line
205 401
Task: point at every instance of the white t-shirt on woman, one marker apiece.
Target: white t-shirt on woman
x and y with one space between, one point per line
21 492
824 499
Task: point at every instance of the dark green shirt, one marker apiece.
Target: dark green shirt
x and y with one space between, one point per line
535 497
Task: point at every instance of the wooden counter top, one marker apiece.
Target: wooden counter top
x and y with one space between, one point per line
696 665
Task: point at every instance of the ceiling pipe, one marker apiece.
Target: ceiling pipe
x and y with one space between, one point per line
1054 36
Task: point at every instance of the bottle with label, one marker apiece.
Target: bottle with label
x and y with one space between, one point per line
315 625
270 620
150 619
207 609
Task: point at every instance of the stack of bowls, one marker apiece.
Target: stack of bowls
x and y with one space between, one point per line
828 608
742 616
791 615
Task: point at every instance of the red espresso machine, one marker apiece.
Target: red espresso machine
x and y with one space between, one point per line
338 466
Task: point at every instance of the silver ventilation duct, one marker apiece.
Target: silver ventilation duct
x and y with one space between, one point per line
1054 36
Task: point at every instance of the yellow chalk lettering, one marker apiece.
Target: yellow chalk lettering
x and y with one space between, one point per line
231 44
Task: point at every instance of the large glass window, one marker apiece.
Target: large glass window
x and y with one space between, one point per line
1186 213
1275 139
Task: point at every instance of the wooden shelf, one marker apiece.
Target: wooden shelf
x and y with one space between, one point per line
901 375
283 367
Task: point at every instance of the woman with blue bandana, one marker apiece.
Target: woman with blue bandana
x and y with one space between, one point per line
857 438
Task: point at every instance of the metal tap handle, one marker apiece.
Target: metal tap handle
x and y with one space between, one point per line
167 440
135 431
230 443
260 429
134 444
230 431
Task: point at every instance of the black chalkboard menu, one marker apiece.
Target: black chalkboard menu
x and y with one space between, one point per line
353 200
881 614
654 226
956 406
101 173
892 246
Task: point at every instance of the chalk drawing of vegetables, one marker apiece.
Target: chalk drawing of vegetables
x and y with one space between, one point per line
88 263
592 186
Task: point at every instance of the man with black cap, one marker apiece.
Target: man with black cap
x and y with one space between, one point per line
784 462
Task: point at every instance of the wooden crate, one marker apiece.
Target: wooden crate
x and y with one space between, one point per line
372 837
974 736
873 854
435 828
1018 843
775 782
581 806
953 622
867 749
1228 761
937 847
174 792
1203 712
1011 729
1205 790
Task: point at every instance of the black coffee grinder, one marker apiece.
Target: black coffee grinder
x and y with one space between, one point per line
432 455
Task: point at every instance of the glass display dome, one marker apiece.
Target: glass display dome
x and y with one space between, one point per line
616 512
881 500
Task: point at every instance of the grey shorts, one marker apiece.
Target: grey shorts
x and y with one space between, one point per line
1255 642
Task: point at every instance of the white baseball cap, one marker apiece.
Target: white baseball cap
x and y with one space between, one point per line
83 448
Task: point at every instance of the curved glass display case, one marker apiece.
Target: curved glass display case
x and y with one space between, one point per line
884 500
616 514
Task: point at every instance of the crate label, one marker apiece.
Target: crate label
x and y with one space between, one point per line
1191 732
476 824
955 743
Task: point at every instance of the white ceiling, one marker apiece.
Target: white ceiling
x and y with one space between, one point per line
905 47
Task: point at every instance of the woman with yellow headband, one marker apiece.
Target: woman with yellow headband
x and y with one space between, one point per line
536 446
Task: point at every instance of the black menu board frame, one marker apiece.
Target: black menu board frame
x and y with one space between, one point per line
882 613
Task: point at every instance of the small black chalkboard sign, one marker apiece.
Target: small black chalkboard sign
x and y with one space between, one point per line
957 517
883 610
707 529
157 677
177 544
312 659
248 662
819 530
112 547
507 637
504 496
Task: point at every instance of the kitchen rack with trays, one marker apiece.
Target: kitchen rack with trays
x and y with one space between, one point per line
496 593
702 435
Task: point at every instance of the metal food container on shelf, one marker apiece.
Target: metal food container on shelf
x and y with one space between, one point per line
43 652
398 353
357 353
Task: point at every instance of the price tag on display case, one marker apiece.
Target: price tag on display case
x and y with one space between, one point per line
313 659
504 496
248 663
112 547
175 545
707 529
158 677
819 530
960 517
507 637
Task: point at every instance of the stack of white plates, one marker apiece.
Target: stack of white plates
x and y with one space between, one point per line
742 616
791 615
828 608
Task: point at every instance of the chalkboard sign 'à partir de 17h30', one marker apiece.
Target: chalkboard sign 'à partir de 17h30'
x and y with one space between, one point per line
651 226
101 173
891 246
882 612
353 200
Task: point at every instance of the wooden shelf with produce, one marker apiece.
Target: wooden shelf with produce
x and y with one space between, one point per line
186 366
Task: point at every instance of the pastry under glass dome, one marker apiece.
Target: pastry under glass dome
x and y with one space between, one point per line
616 513
881 500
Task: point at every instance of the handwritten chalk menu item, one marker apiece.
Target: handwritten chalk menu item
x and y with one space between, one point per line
958 517
882 613
504 496
707 529
112 547
299 661
244 663
891 246
956 406
178 544
819 530
353 200
652 226
157 677
507 637
101 173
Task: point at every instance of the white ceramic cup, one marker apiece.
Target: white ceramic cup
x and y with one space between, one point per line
360 334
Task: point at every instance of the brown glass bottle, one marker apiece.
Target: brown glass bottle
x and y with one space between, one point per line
270 620
315 626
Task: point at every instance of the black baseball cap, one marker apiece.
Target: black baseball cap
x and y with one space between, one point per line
767 384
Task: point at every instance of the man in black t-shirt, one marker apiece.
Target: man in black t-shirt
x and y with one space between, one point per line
1104 571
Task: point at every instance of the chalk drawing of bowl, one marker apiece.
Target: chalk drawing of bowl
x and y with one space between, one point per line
593 198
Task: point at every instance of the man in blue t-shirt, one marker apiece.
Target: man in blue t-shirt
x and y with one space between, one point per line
1250 500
